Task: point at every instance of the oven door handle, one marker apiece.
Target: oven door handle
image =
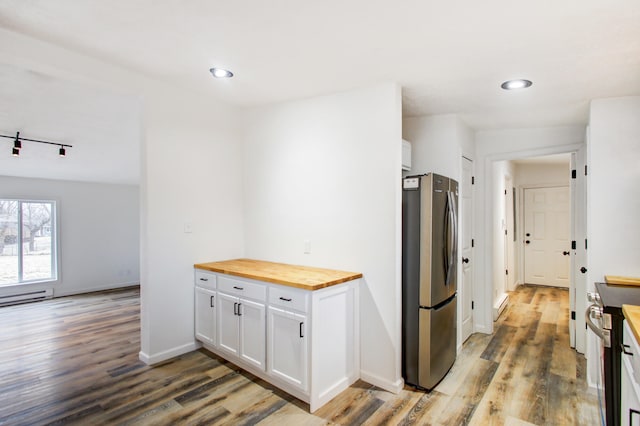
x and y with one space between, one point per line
587 317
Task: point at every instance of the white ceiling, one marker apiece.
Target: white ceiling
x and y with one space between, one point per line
449 56
104 129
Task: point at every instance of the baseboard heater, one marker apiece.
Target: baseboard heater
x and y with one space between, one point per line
499 306
27 296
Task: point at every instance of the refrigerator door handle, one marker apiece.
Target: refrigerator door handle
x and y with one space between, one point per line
452 236
446 240
454 243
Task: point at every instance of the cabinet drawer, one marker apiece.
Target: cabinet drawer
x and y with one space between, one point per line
289 298
242 288
205 279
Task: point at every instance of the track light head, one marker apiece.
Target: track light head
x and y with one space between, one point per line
15 152
62 152
16 143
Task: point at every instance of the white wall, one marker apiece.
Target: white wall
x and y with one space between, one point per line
613 195
438 142
496 145
541 174
192 174
328 170
98 232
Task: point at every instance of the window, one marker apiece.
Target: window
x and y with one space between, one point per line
27 241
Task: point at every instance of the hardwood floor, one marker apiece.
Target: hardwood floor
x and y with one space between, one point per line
74 360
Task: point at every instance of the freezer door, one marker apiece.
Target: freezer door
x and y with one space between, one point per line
437 350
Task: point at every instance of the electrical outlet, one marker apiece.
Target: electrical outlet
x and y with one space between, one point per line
307 246
188 228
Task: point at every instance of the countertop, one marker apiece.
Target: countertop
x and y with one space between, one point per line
304 277
632 315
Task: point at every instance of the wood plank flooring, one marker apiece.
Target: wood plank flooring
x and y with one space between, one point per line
74 360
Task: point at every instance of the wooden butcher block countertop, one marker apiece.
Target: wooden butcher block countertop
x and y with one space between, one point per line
632 315
304 277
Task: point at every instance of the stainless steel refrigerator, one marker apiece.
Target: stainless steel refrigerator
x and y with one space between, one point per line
429 278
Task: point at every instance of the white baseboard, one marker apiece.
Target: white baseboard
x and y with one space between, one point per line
481 329
393 387
168 354
499 306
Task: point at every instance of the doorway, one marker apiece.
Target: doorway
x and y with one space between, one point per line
532 173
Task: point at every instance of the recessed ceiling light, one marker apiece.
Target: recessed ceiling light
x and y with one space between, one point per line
516 84
220 73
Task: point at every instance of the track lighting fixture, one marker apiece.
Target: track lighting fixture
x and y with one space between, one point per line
17 144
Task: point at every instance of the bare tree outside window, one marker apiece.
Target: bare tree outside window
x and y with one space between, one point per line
27 241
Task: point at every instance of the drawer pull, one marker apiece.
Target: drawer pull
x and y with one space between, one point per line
211 302
235 308
239 312
301 335
624 349
238 288
285 299
204 279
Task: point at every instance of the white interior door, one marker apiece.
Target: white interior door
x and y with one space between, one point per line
547 236
577 329
466 207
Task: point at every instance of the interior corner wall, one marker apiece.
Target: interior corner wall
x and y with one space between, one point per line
327 170
191 178
437 143
613 196
496 145
98 232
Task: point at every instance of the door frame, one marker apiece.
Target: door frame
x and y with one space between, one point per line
483 280
465 298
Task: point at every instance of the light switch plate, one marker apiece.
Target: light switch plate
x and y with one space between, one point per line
188 228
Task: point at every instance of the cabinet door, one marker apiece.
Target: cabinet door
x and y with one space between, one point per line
252 332
206 315
288 347
228 323
630 402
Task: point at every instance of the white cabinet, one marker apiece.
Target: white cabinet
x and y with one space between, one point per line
206 302
206 315
241 320
228 334
629 385
305 342
288 347
252 332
